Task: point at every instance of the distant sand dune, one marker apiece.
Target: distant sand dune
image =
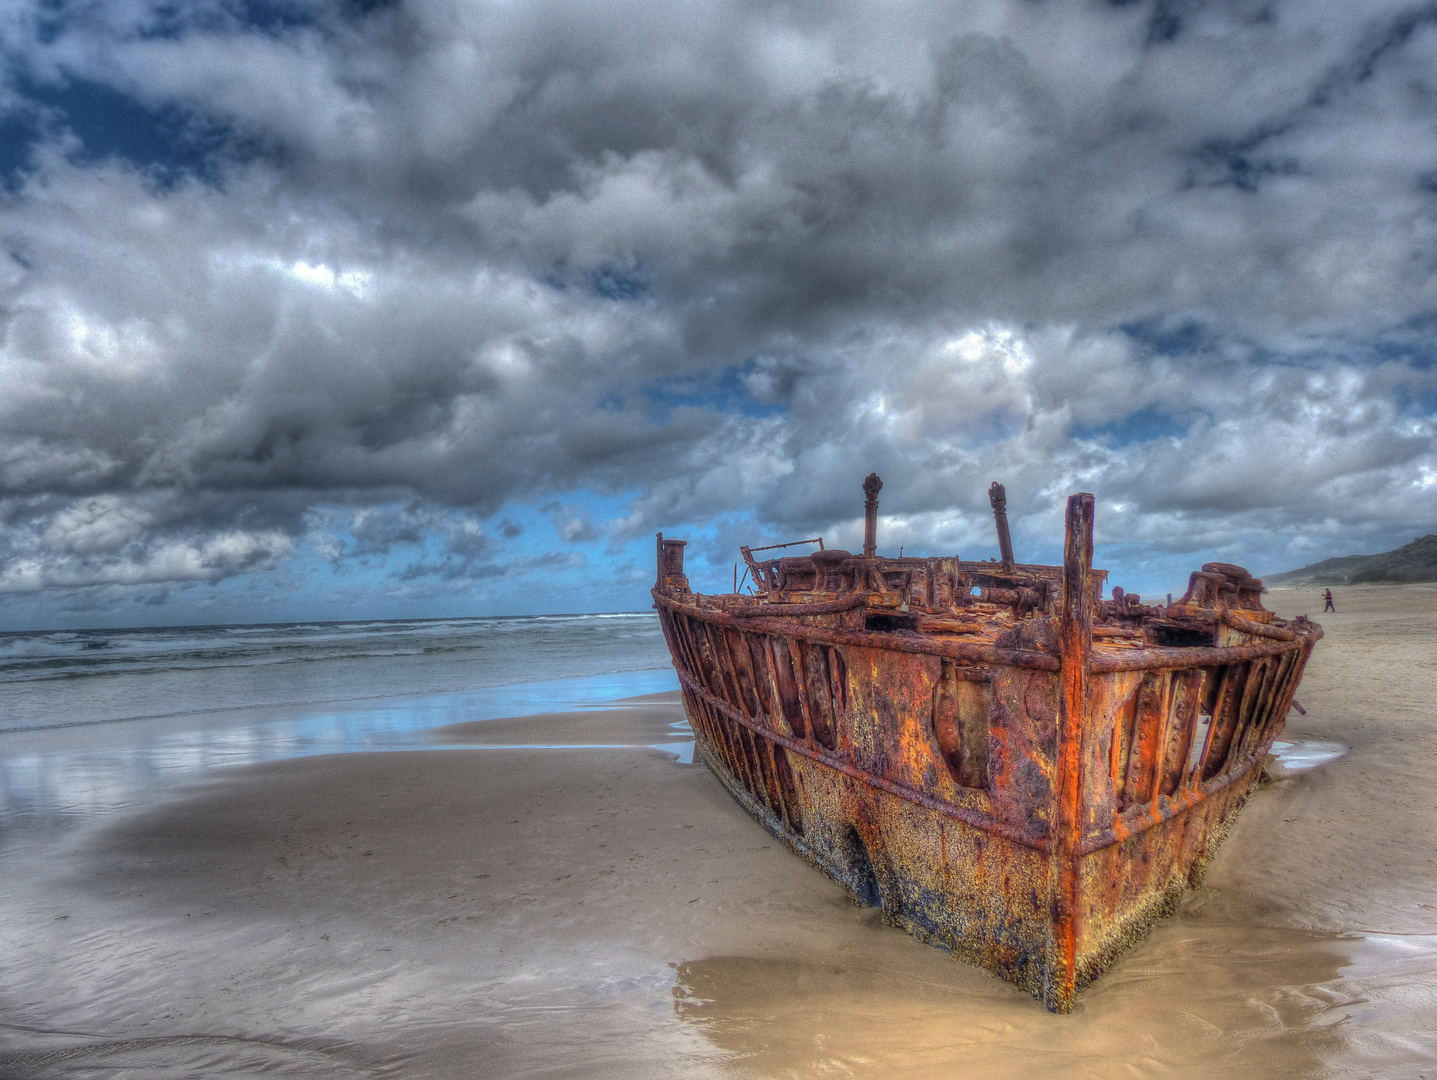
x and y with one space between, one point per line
1412 562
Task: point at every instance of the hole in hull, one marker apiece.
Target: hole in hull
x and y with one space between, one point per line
1182 637
891 622
861 876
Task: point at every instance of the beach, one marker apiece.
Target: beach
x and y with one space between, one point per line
565 895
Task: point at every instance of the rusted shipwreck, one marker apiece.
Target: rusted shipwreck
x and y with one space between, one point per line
1012 767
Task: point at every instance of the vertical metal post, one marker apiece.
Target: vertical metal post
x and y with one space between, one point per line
671 564
871 487
1075 645
998 499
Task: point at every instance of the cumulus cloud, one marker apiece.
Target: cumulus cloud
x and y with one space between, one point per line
361 280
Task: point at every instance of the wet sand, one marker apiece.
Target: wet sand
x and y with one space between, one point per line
601 910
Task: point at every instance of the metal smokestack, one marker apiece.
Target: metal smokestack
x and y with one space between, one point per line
999 500
871 487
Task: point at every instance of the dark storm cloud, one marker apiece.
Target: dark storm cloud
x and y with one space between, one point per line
332 274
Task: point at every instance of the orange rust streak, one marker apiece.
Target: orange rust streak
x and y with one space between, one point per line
1143 817
1173 658
1075 643
1160 736
824 757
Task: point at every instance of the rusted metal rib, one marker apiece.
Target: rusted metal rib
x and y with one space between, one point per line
1196 656
825 607
1145 816
976 818
1257 629
830 635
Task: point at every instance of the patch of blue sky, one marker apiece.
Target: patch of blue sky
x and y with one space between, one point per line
609 281
362 8
271 17
281 16
1165 337
1413 341
1188 339
1149 574
1144 425
174 19
168 22
50 21
723 391
1415 400
537 518
168 141
1152 567
1234 163
19 132
712 550
613 283
543 557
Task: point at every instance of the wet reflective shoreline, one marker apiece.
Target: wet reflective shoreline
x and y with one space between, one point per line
63 778
1294 755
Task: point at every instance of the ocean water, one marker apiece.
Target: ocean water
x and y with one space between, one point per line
74 677
95 723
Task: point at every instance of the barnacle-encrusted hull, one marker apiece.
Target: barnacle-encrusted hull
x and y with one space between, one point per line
1012 768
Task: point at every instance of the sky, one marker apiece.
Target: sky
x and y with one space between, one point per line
333 309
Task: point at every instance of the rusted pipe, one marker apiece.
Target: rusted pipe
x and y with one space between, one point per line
871 487
1160 659
1257 629
824 607
1144 816
998 499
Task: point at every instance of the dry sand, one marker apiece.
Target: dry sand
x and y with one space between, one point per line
606 912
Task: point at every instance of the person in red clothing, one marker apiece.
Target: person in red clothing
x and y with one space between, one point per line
1328 597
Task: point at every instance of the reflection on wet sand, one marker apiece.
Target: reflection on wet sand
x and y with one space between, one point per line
1293 755
63 778
1199 996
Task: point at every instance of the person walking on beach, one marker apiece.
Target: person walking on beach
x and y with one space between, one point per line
1328 597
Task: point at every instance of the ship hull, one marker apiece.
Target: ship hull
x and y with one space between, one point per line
929 780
